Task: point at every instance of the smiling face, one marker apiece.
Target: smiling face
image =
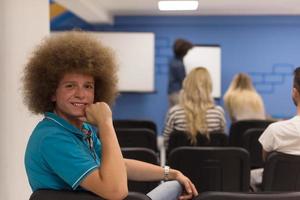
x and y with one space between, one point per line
73 94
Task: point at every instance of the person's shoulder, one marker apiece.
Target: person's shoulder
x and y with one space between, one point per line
46 129
218 109
284 123
47 124
176 109
176 62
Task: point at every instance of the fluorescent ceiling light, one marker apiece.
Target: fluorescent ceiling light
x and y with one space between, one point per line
178 5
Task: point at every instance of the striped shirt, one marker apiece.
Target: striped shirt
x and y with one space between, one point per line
176 120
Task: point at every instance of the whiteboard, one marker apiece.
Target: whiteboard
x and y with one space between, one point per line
210 58
135 58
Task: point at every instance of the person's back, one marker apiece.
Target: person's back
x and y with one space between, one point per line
176 75
196 113
242 101
176 120
282 136
177 70
245 105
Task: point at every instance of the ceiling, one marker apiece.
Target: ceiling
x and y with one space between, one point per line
103 11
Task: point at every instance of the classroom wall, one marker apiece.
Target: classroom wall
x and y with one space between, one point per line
23 24
266 47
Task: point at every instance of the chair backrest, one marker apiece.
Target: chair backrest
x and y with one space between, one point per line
180 138
76 195
238 128
137 137
213 168
248 196
146 155
253 146
131 123
281 172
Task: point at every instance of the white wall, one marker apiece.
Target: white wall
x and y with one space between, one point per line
210 58
22 25
136 64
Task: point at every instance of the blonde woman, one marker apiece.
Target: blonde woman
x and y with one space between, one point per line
196 112
242 101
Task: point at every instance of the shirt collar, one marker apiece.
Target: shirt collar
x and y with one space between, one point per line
65 124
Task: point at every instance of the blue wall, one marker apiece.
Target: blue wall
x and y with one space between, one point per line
268 48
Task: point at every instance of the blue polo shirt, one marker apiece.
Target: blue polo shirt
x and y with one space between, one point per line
58 155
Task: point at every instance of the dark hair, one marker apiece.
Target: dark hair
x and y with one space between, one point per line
70 52
296 82
181 47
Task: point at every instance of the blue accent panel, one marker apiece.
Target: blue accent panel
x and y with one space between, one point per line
266 47
162 42
274 79
257 78
283 68
164 52
264 88
162 60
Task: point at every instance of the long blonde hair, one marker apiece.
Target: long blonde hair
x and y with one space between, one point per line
196 98
241 94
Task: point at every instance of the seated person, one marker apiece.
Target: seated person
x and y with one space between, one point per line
242 101
196 112
71 79
282 136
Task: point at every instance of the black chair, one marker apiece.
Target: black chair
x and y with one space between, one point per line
76 195
248 196
119 123
281 172
146 155
253 146
180 138
238 128
137 137
213 168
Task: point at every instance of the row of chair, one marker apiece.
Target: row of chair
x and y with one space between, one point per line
72 195
78 195
245 134
237 129
248 196
124 124
146 138
222 168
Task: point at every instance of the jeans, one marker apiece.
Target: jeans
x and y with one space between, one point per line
169 190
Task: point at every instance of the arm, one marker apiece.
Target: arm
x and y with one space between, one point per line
268 141
222 118
110 180
169 127
142 171
264 154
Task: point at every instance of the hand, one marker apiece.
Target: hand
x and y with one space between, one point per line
190 190
98 113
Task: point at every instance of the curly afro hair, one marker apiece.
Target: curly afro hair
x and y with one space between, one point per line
69 52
